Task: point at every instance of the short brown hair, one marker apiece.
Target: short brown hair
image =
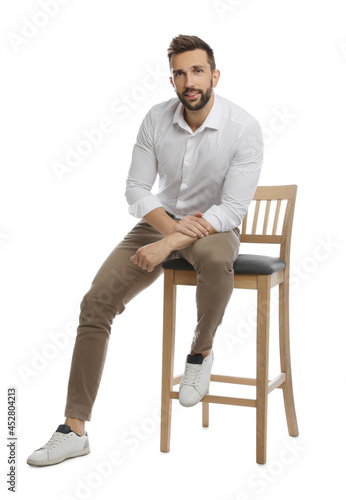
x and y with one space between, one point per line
183 43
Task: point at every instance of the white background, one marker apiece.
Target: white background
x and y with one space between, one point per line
285 63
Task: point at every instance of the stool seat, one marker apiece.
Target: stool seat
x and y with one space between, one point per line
244 264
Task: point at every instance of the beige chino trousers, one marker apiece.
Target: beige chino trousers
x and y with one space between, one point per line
119 280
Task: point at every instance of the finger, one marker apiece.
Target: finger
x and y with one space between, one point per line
187 231
202 230
136 260
143 264
202 226
200 220
194 232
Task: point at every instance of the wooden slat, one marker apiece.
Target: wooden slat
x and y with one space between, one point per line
266 217
245 281
233 380
176 380
243 227
276 218
277 278
260 238
276 382
223 400
185 278
229 401
255 217
275 192
272 384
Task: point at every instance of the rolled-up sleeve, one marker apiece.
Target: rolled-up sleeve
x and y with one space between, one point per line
240 182
142 173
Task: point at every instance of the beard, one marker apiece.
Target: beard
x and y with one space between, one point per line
195 106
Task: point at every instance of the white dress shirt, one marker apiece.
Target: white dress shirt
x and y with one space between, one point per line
214 170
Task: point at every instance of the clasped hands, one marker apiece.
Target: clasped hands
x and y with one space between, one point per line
192 226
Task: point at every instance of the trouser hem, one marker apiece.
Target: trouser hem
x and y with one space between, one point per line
78 414
194 347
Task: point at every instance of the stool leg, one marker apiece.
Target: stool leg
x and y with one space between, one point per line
263 315
169 311
285 358
205 413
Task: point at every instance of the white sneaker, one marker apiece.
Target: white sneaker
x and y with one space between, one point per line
196 379
62 445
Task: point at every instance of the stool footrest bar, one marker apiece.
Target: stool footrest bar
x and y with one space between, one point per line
276 382
272 384
221 400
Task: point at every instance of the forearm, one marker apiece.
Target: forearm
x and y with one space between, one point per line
177 240
151 255
160 221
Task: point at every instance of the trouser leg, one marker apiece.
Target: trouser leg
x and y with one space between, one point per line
212 257
115 284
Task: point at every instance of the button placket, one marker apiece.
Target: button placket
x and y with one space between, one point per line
188 157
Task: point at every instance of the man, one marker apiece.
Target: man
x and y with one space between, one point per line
208 154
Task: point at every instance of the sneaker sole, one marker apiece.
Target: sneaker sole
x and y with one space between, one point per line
55 461
189 404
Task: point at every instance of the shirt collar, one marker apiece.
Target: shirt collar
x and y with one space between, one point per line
212 120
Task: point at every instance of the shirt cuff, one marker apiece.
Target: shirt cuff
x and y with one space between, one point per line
218 217
145 205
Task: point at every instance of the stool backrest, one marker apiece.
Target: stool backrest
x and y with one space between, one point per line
276 214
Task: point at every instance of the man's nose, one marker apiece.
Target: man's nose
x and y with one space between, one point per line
189 80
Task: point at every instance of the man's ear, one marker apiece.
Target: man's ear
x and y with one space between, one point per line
171 80
216 77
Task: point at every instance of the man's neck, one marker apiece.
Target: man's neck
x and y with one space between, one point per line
194 119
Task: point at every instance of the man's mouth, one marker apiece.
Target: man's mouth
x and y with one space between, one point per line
191 95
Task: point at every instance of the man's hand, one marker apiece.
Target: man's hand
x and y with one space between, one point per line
186 232
151 255
193 225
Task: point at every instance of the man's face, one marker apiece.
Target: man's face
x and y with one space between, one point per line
193 79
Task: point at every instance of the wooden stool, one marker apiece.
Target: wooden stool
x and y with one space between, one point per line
254 272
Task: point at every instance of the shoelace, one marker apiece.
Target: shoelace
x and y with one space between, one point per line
191 374
54 441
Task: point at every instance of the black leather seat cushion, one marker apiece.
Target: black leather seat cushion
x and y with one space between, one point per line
244 264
